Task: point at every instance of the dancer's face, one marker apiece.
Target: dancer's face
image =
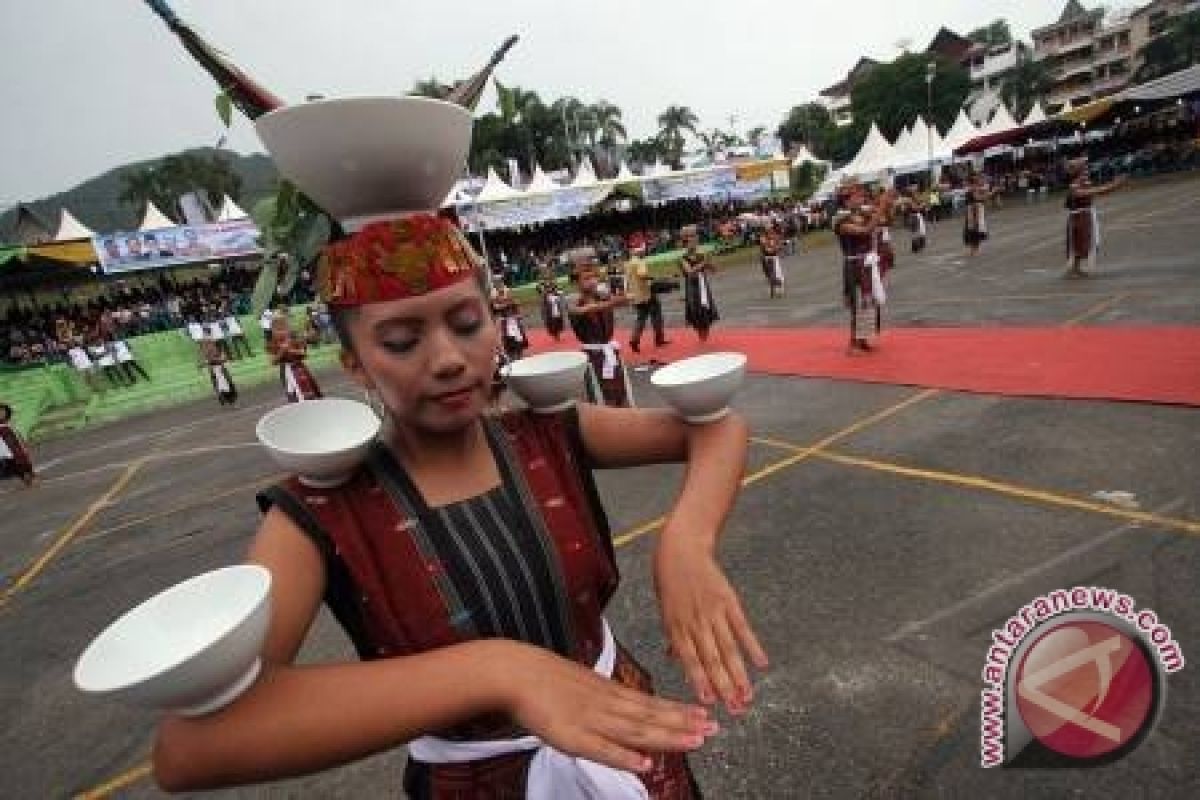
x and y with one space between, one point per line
430 358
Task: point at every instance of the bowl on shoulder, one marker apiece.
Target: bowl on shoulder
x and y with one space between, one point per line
322 441
700 388
191 649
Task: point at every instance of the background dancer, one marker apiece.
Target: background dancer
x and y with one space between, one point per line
553 304
288 351
508 317
14 454
222 382
593 322
975 229
856 233
769 245
1083 226
917 220
700 309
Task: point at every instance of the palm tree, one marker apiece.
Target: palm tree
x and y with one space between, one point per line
672 123
755 136
1028 83
609 126
141 186
1176 49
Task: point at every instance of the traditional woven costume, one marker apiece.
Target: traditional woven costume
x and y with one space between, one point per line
772 264
975 229
699 307
222 382
294 376
1083 227
553 307
530 560
608 381
512 325
860 270
14 455
917 226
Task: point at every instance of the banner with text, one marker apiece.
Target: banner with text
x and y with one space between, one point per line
127 251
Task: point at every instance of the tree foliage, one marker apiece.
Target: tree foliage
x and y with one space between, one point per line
894 94
177 175
1176 48
1025 85
997 32
672 124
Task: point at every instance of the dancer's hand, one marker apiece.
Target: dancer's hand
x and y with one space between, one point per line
585 715
705 623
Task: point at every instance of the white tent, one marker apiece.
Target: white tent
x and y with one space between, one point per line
70 228
875 155
961 132
585 176
495 189
921 148
1001 122
805 156
1036 114
540 182
230 211
625 175
658 170
154 219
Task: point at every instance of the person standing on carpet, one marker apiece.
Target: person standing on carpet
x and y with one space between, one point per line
769 246
508 316
975 229
700 309
856 233
593 322
1083 225
14 455
917 222
645 300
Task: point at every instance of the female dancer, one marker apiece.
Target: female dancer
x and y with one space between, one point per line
1083 227
508 315
769 246
288 351
14 455
975 230
856 231
700 310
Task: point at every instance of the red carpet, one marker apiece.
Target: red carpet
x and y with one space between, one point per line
1139 364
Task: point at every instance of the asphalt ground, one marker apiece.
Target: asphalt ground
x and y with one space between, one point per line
883 532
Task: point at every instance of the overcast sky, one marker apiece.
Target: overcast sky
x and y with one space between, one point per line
86 85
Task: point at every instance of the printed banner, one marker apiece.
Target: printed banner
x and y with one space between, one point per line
127 251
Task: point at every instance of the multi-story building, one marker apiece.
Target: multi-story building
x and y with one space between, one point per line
1152 20
836 98
987 64
1085 56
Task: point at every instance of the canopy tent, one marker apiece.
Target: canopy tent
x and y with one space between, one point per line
70 228
541 182
585 176
875 155
230 211
154 219
1036 114
494 189
28 228
804 156
921 150
961 132
625 175
1001 122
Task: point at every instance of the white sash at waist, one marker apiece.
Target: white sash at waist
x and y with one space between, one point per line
553 775
611 362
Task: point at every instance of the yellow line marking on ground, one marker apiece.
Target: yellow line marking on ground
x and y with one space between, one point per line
801 455
121 781
183 507
65 538
1031 494
1095 310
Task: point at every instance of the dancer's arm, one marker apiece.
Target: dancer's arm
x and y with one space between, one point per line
702 614
300 719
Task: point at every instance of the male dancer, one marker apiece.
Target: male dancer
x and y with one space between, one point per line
856 232
640 288
769 245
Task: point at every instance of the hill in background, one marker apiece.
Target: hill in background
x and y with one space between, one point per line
94 202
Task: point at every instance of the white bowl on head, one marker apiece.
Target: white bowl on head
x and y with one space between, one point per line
548 382
322 441
369 158
700 388
191 649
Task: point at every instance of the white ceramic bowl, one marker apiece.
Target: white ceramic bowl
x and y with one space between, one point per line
548 382
322 441
701 387
369 158
191 649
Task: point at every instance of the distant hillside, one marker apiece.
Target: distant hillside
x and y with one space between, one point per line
94 202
